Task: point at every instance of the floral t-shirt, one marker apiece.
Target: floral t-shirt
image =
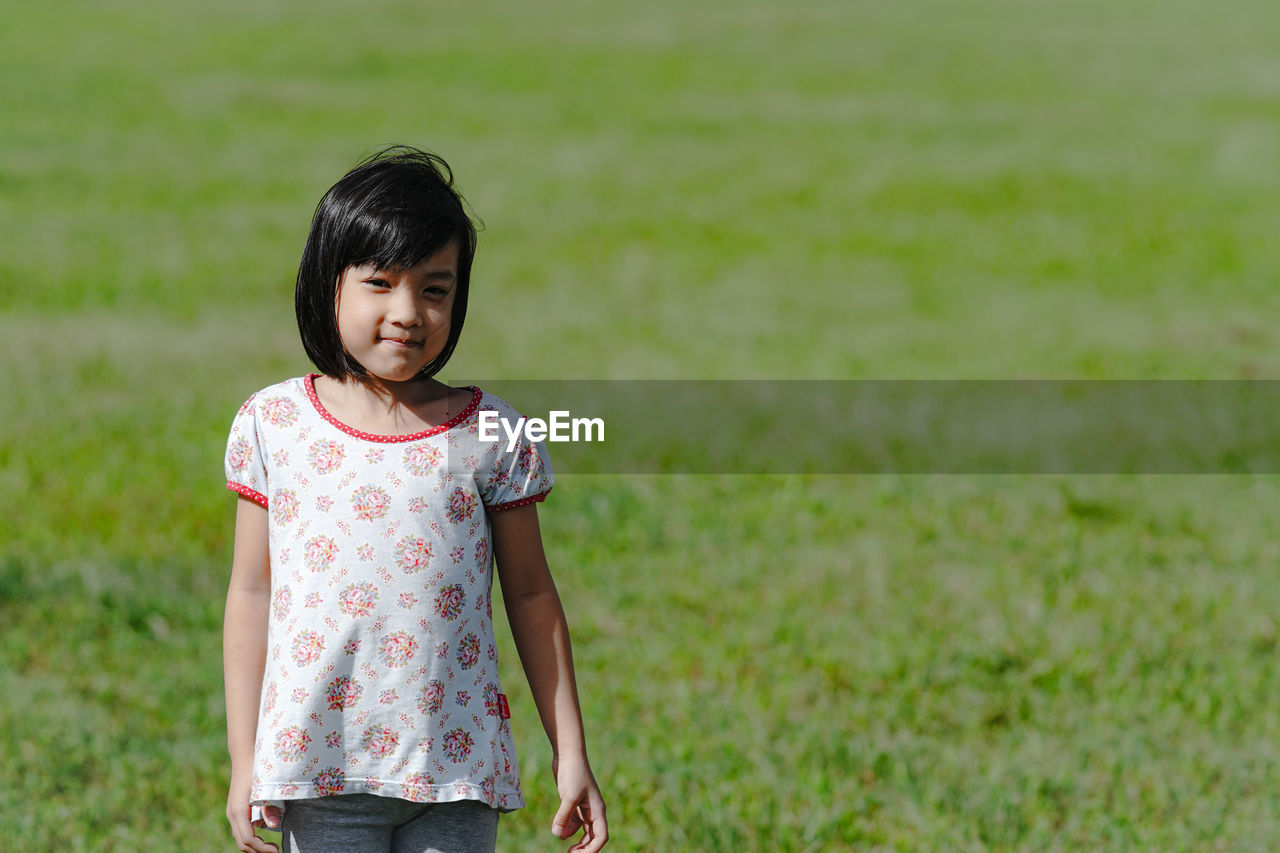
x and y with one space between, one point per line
381 673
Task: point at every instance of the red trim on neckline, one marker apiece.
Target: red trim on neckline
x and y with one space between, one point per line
309 383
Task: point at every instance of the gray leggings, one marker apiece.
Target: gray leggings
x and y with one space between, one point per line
366 822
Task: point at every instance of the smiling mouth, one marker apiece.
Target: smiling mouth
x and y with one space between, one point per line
404 342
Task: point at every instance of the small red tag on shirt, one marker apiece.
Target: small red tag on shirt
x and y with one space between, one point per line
504 710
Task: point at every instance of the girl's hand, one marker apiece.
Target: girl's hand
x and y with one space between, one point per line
581 805
239 814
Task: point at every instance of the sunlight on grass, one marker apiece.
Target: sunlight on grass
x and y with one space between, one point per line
688 191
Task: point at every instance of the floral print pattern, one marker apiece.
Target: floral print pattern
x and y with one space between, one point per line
449 602
461 505
457 745
239 454
284 507
492 706
329 782
307 646
419 788
320 553
325 456
381 653
413 553
358 599
396 649
343 693
469 651
281 602
278 411
370 502
422 458
292 742
431 700
379 740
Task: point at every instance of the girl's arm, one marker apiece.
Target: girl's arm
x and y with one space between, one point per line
542 640
244 655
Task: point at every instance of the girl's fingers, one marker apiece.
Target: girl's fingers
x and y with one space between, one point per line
591 842
566 821
246 841
254 844
597 828
241 830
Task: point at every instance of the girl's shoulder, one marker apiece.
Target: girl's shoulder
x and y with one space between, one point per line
488 401
278 397
293 387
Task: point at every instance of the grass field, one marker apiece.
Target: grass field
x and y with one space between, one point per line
674 190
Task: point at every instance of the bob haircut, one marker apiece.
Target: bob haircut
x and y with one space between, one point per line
393 210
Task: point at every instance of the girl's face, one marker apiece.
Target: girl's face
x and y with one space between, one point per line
395 322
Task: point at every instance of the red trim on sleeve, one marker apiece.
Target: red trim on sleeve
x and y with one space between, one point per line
538 498
257 497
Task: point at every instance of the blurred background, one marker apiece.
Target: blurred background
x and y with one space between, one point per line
832 189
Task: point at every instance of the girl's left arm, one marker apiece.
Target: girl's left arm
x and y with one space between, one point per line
542 640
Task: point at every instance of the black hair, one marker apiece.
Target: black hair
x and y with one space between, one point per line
393 210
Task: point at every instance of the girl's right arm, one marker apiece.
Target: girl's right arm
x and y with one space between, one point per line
244 656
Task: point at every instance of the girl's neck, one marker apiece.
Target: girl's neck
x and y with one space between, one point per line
390 408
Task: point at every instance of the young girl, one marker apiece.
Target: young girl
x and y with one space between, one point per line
363 705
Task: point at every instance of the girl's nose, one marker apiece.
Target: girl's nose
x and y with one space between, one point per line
405 310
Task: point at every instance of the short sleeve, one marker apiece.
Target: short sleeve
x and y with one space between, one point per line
246 473
518 476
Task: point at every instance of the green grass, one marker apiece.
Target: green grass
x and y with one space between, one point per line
693 191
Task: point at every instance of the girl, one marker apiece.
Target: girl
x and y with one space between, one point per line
363 705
